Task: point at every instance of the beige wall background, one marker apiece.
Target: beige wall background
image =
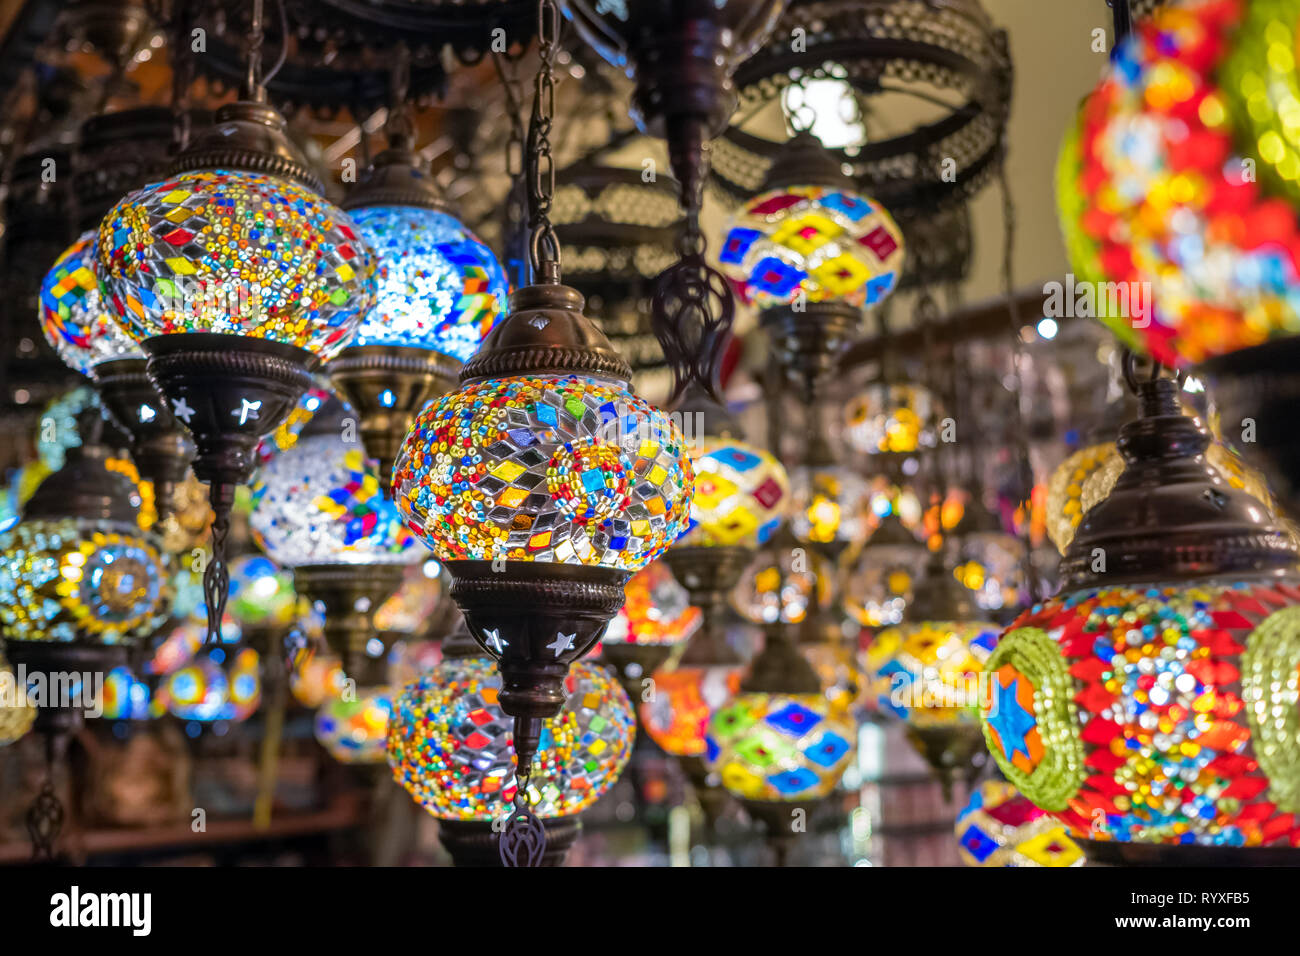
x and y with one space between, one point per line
1055 66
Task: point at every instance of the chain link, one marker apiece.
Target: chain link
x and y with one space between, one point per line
544 246
398 128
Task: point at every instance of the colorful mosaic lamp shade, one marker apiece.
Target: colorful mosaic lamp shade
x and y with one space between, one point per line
93 578
889 419
1158 194
1000 827
814 242
316 677
783 586
830 506
354 731
238 278
439 291
772 747
450 744
927 673
1154 700
438 287
218 685
657 611
17 715
410 610
320 502
126 697
741 494
685 699
881 585
261 593
75 322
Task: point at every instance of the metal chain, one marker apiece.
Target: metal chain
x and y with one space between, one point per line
216 576
516 204
398 128
253 78
1026 466
544 246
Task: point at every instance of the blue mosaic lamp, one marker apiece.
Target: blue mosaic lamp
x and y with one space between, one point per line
440 290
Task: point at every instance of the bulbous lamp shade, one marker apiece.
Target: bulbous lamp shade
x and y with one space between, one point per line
812 241
210 688
438 287
830 506
786 589
685 699
80 580
320 503
999 827
354 731
889 419
1153 701
75 322
741 494
926 673
261 593
780 747
235 253
16 711
657 611
1157 194
450 744
564 469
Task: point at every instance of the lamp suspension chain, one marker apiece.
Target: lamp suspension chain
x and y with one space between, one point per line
543 245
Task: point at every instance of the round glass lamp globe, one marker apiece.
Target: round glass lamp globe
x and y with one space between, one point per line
73 316
235 253
438 287
741 494
781 747
353 731
562 469
73 579
825 244
450 744
319 502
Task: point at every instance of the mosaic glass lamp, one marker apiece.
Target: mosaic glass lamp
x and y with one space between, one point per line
353 727
779 743
85 334
830 503
881 584
926 672
999 827
1151 705
811 252
219 684
17 715
319 511
542 484
655 618
238 278
450 745
439 291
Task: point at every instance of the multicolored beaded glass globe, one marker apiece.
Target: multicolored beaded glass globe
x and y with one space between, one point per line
991 565
563 469
235 253
72 315
316 677
353 727
438 286
210 688
741 494
802 580
1164 197
880 586
829 503
16 711
823 243
126 697
657 610
780 747
889 419
1155 714
1000 827
74 579
677 716
928 673
261 593
450 744
320 503
18 487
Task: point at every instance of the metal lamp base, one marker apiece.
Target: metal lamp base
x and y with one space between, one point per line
351 594
475 843
633 663
387 385
1115 853
950 751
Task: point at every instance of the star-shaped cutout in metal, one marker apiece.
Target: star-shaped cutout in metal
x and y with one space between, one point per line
248 410
562 642
181 409
494 641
